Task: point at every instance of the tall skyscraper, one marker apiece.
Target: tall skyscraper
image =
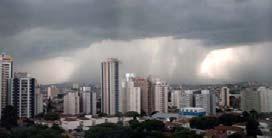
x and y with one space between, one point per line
160 92
71 103
110 86
187 99
38 101
207 101
146 96
6 66
176 98
88 102
130 96
224 100
23 93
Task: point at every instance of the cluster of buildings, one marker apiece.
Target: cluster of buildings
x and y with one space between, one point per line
19 90
142 95
81 101
119 94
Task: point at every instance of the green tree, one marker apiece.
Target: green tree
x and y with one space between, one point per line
151 125
4 133
9 117
51 116
229 119
252 128
132 114
185 133
35 132
108 130
253 114
204 122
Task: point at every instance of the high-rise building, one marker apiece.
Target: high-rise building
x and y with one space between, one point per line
52 91
110 86
176 98
160 92
130 96
6 71
207 101
23 92
187 99
259 99
88 102
224 100
146 96
71 103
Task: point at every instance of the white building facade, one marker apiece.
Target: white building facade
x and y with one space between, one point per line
160 92
71 103
207 101
130 97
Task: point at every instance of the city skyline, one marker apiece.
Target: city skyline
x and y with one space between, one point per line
181 42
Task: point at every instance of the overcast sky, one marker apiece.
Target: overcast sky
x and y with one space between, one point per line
180 41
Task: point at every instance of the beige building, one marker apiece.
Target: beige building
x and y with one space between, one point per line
130 96
6 68
71 103
160 92
110 86
146 96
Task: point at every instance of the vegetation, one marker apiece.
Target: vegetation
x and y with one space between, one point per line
9 117
204 122
146 129
185 133
51 116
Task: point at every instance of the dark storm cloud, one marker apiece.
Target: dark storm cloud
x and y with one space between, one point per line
33 30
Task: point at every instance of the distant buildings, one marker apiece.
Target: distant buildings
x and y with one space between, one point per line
88 102
259 99
187 99
130 96
110 86
71 103
160 92
52 91
25 95
190 112
224 97
176 98
207 101
6 73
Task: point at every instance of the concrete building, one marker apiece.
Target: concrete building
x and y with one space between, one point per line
71 103
265 99
110 86
23 90
187 99
190 112
146 96
224 100
130 96
6 71
207 101
52 91
38 101
88 102
176 98
160 92
259 99
250 99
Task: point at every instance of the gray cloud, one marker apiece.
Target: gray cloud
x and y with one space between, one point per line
35 30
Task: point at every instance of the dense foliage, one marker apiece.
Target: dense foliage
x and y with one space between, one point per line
9 117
